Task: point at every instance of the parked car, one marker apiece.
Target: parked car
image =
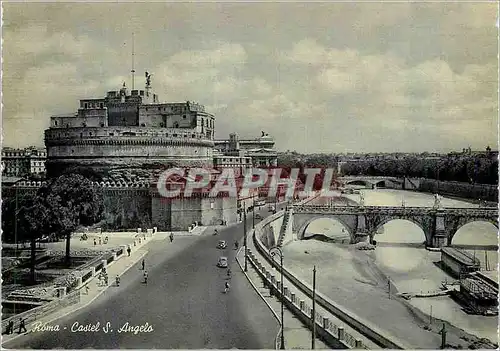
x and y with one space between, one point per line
222 244
222 263
258 216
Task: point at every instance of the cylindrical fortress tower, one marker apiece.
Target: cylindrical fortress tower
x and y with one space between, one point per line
130 131
126 147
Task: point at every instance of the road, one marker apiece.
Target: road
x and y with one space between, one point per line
183 302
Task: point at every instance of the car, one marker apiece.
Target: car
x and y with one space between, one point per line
222 263
258 216
222 244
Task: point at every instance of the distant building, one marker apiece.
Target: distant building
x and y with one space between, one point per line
23 162
488 152
260 150
231 156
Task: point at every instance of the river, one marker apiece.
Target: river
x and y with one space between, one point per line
359 279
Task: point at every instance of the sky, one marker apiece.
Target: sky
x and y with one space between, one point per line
318 77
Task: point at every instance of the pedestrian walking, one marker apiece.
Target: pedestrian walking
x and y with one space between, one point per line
143 264
145 277
171 236
95 243
22 326
128 250
10 328
87 289
100 241
117 280
226 288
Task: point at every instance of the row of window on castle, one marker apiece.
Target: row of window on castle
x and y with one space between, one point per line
171 109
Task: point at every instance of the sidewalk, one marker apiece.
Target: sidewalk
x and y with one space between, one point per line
301 296
118 267
297 335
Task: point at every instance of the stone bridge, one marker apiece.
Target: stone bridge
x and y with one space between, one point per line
372 182
362 222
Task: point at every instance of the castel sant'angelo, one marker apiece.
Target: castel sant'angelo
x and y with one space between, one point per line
130 129
127 138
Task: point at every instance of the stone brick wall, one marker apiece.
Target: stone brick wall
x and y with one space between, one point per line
218 209
470 191
125 147
127 208
161 212
178 214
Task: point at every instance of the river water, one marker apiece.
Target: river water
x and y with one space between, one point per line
359 279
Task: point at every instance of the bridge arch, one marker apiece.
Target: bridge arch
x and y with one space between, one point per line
345 221
361 182
381 184
414 220
463 222
327 227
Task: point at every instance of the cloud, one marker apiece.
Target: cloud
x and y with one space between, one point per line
323 77
225 54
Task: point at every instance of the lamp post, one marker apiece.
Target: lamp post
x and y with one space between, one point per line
245 235
15 224
277 251
313 340
253 212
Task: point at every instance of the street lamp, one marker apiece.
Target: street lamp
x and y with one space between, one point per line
245 235
277 251
253 212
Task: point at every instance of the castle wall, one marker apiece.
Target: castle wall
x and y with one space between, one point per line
216 210
127 208
123 114
127 147
91 118
185 212
179 214
161 211
164 116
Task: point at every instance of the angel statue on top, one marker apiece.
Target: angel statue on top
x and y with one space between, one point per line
437 201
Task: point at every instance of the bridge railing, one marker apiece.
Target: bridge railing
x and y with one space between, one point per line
398 209
302 311
356 322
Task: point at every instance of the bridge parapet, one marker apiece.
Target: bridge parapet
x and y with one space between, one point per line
438 224
322 209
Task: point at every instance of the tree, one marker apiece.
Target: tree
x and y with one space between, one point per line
25 218
73 201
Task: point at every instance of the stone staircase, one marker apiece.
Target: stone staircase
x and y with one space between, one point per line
285 226
413 186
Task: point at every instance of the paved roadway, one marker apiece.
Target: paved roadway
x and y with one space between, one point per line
183 301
